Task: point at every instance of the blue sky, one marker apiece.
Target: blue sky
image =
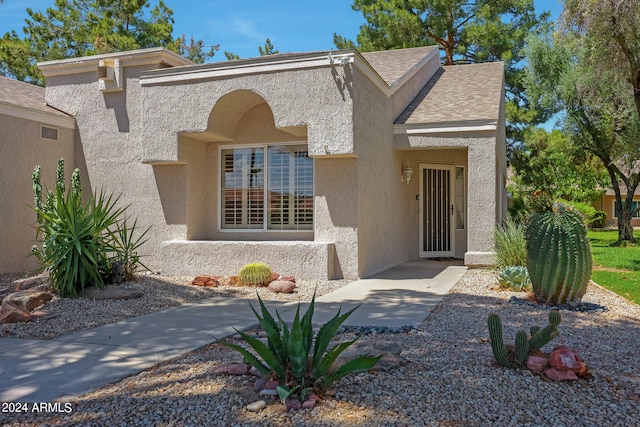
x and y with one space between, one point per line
241 26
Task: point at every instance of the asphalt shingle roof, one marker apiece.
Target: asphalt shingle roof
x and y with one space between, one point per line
21 94
458 93
391 65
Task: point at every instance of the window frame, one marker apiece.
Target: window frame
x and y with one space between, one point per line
265 223
615 214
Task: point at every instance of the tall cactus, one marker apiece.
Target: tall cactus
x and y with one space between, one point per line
558 255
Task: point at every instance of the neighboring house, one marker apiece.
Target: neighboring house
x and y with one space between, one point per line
323 164
606 203
30 133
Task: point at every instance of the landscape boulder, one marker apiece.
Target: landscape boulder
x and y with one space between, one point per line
281 286
11 313
28 300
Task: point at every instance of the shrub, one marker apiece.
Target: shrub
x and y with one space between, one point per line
587 211
510 244
80 241
598 219
257 273
301 364
514 277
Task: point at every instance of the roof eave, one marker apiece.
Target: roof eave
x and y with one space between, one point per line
53 119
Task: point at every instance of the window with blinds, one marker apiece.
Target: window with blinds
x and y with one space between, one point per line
268 188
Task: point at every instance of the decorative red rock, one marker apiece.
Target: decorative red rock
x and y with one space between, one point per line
271 385
275 276
309 403
560 375
205 280
238 369
282 286
563 358
292 404
537 363
288 278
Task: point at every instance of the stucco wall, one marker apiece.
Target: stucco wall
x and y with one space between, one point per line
111 149
382 207
21 148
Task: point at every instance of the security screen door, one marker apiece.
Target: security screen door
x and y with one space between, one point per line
436 211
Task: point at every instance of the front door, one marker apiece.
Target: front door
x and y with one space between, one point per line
436 211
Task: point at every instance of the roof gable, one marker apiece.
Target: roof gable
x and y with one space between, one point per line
392 65
458 93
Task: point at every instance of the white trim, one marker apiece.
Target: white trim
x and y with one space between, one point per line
446 127
32 114
133 58
452 236
413 70
273 63
265 227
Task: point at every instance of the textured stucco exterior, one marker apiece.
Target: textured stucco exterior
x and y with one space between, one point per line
157 137
21 148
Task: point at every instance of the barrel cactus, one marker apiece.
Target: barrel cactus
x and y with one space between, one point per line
558 255
256 273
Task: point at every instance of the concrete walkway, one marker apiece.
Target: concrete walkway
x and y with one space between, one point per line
41 371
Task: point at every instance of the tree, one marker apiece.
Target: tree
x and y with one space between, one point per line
548 162
194 50
467 31
230 56
589 69
268 49
73 28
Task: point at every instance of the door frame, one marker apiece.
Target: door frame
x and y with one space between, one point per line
421 220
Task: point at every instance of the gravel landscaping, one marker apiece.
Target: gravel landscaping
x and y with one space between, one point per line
449 379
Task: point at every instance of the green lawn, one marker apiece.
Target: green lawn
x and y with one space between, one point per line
616 268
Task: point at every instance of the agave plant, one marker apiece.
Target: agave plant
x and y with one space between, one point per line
292 357
514 277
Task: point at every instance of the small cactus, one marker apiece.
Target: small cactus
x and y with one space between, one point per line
516 278
525 345
256 273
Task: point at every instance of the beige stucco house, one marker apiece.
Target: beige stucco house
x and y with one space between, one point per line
31 132
323 164
606 203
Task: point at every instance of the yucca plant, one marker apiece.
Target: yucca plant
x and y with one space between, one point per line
126 248
80 241
291 356
76 242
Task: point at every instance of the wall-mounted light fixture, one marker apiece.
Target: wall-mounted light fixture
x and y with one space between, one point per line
406 173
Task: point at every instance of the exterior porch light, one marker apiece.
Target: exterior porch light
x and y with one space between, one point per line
406 173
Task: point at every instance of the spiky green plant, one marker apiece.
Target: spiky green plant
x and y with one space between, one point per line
516 278
525 345
510 244
257 273
81 240
299 363
558 255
